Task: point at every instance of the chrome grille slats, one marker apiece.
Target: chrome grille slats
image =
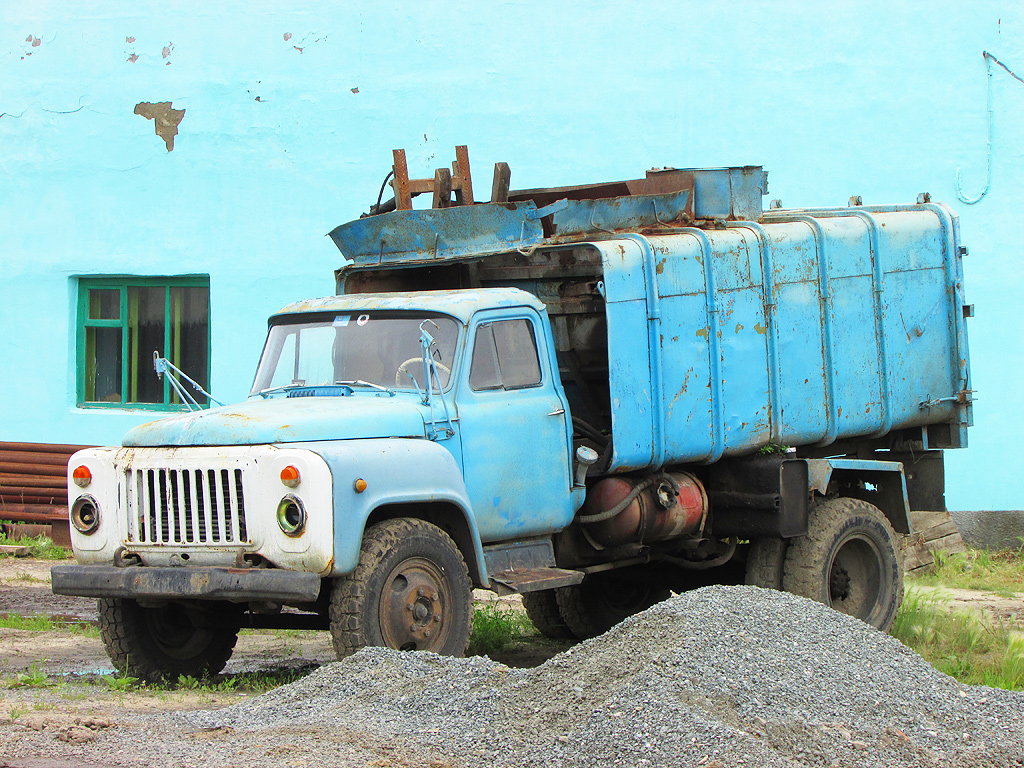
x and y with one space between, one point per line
186 505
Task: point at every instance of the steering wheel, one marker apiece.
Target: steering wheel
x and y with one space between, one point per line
402 372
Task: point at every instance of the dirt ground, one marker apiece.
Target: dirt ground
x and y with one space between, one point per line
25 590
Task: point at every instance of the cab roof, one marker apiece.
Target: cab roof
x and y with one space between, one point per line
461 304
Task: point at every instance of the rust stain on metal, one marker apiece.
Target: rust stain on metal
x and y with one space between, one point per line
703 333
165 119
760 329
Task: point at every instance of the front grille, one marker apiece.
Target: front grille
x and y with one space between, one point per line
185 506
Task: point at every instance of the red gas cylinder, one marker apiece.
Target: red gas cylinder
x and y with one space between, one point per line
646 518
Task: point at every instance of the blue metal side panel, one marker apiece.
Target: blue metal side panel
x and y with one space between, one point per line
629 377
857 325
798 328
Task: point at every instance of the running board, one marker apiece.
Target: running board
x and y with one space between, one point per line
534 580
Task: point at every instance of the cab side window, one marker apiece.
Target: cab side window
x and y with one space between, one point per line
504 356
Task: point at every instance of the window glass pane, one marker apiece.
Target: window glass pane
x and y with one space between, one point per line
104 303
381 348
517 353
189 318
483 374
145 328
103 365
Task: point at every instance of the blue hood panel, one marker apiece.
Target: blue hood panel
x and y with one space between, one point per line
284 420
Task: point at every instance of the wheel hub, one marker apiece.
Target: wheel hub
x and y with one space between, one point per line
855 578
412 607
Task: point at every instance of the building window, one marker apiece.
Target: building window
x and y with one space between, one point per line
122 321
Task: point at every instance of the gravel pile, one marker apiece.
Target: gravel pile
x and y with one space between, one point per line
721 676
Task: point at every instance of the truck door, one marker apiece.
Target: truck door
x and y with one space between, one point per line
513 427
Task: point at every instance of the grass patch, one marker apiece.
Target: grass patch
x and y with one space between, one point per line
494 628
973 649
1001 572
40 547
46 624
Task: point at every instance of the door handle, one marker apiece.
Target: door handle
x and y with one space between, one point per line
557 412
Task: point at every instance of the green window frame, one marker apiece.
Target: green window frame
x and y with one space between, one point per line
117 317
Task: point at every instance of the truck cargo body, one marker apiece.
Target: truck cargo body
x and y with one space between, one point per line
678 343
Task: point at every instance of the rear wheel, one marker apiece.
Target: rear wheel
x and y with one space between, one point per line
542 609
604 599
849 560
766 559
168 641
410 591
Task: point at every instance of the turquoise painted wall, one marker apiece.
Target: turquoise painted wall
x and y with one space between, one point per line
291 115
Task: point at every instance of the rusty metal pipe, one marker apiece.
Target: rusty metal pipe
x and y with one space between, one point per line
47 470
27 480
43 447
30 457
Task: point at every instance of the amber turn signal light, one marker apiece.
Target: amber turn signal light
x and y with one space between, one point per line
290 476
359 485
82 476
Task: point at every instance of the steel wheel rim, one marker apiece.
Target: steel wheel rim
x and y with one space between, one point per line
414 606
855 584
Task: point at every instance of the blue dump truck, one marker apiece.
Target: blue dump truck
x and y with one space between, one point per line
592 396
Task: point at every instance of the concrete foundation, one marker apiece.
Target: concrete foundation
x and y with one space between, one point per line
998 529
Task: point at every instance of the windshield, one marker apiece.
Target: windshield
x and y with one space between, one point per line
375 348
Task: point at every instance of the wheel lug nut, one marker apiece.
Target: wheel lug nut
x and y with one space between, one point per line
426 633
408 606
421 592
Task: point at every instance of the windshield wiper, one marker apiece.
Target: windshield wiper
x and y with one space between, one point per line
265 393
360 382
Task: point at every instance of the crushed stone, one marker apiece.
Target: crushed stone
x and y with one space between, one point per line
721 676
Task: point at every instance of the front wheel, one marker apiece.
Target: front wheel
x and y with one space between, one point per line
849 561
167 641
410 591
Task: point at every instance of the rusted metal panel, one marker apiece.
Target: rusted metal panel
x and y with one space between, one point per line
435 235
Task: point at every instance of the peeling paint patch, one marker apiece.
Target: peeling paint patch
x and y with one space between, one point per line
354 90
165 119
129 39
287 36
165 52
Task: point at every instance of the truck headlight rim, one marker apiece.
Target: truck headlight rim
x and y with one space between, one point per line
85 514
291 515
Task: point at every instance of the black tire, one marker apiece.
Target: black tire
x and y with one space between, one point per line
410 591
766 560
604 599
849 560
542 609
163 643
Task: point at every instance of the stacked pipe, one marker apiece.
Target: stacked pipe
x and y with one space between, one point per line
33 481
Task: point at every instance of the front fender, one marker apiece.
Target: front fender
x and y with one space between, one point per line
396 471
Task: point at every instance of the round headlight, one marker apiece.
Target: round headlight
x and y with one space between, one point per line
85 514
291 516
